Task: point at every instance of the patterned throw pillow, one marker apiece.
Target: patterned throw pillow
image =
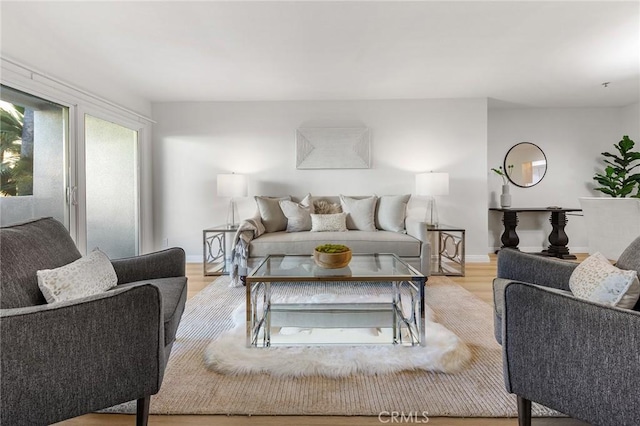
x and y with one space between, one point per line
597 280
298 214
86 276
328 222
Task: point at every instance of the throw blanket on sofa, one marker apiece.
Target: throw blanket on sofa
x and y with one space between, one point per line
248 230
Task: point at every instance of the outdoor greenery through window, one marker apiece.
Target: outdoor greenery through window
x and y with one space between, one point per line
33 157
16 150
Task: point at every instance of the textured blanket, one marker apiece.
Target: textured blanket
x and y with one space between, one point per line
248 230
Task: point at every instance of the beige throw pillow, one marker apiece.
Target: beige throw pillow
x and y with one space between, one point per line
271 214
360 212
86 276
391 212
597 280
298 214
329 222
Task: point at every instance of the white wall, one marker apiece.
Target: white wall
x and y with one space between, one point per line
193 142
572 140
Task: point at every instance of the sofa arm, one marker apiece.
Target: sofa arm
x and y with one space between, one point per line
535 269
69 358
578 357
418 230
161 264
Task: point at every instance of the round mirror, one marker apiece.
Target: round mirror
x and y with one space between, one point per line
525 164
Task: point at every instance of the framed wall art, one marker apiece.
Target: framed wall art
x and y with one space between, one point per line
333 148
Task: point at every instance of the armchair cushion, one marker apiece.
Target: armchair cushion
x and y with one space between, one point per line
597 280
91 274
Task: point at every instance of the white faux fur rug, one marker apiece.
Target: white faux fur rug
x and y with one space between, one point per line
228 354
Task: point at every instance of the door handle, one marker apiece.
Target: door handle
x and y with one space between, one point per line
72 195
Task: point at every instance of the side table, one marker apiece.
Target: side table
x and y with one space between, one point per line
214 249
448 246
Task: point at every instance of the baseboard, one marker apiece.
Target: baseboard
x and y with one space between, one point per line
192 258
538 249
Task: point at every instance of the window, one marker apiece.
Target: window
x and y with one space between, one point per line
33 135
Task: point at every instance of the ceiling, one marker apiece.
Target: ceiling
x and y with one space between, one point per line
537 54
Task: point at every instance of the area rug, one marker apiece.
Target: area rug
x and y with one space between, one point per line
343 356
476 391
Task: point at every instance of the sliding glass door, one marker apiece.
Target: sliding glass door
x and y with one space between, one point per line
76 165
111 187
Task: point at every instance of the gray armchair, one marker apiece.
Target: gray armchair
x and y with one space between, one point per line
577 357
65 359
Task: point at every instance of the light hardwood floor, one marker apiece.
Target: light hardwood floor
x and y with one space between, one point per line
477 280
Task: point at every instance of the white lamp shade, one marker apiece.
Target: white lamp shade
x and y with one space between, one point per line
232 185
431 184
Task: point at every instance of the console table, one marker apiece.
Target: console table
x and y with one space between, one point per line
558 239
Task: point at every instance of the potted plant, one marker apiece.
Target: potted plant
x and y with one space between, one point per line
332 256
618 179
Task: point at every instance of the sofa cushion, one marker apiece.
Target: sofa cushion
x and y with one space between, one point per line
174 295
358 241
298 214
597 280
360 212
271 214
391 211
26 248
89 275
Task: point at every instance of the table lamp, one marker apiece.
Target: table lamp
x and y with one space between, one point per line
432 184
232 185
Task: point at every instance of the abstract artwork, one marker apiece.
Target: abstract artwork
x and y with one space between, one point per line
333 148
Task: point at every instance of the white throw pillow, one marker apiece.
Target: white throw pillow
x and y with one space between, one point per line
86 276
329 222
298 214
391 211
360 212
597 280
271 214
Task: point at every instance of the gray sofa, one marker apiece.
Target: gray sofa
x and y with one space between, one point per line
412 245
64 359
578 357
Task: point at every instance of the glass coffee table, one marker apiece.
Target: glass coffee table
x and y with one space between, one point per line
286 292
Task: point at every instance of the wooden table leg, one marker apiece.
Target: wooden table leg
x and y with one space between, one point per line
509 237
558 238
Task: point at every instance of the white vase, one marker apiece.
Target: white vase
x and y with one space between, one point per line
505 197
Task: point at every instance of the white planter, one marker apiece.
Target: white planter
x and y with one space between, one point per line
505 197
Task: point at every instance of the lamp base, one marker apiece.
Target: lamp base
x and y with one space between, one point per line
431 216
232 215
